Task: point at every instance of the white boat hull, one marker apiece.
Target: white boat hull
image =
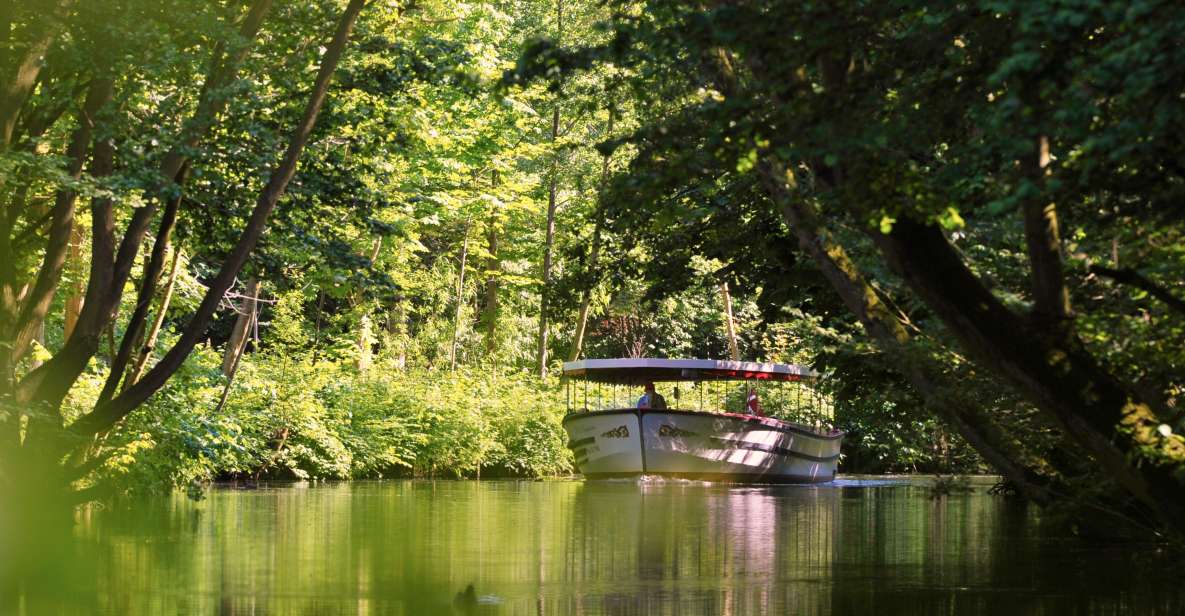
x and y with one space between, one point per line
695 445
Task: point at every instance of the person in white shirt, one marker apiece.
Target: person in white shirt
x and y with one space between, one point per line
652 399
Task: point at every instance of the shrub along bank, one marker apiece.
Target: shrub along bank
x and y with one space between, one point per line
295 418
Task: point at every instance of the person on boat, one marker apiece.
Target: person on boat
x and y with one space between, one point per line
652 399
753 404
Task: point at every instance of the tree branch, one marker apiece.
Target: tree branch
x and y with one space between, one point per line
1131 277
1055 373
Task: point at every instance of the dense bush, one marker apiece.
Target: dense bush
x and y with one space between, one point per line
290 418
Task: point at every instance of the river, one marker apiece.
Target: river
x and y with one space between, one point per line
857 546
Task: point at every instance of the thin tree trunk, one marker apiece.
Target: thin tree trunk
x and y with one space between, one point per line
317 325
365 333
549 242
76 290
594 275
107 415
734 352
241 332
586 295
397 327
158 323
549 246
1136 279
490 302
452 354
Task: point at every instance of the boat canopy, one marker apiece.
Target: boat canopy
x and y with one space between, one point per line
635 371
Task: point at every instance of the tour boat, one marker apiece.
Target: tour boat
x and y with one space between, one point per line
611 437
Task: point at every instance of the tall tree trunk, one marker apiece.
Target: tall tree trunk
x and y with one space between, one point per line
72 307
397 329
317 325
134 332
1051 299
973 422
548 248
37 301
241 332
734 352
452 353
549 241
594 277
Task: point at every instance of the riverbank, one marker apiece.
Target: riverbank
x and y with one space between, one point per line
295 419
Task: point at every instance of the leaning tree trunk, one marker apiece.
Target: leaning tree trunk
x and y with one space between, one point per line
111 263
16 87
153 332
1054 370
973 422
237 345
593 275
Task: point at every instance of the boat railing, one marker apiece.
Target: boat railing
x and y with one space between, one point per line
807 403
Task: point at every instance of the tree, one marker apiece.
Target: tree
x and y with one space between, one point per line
32 452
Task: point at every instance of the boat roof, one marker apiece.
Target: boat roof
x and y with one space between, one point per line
640 370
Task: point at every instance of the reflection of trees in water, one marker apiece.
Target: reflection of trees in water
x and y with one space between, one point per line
606 548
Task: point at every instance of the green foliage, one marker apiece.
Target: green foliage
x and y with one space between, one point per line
293 419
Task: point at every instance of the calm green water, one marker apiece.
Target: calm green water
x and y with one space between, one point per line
574 547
